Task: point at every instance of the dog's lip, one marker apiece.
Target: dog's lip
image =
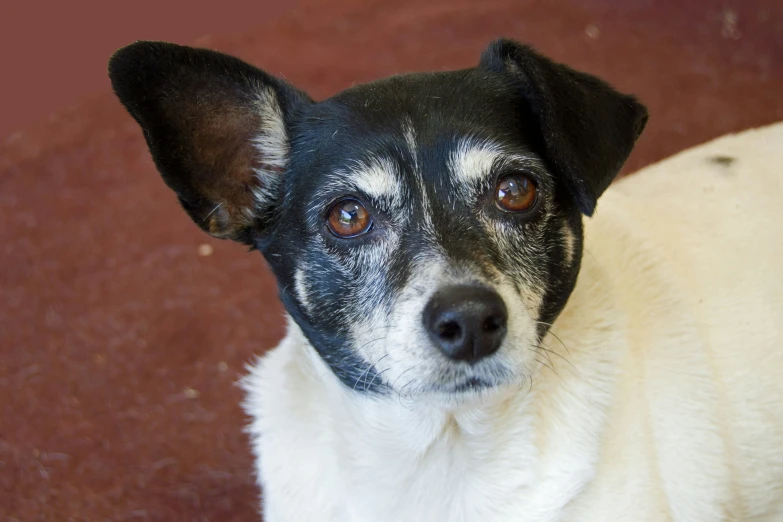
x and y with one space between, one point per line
470 384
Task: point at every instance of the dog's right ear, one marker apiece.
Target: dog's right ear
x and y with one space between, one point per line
218 130
588 128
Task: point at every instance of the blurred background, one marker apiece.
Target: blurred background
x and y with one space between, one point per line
123 328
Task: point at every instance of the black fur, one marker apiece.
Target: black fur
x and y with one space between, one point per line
195 108
588 128
580 128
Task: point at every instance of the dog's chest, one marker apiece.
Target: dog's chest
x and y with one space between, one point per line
399 462
464 473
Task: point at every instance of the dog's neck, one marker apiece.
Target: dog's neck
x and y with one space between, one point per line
551 428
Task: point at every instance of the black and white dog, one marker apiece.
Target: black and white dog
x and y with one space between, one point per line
443 362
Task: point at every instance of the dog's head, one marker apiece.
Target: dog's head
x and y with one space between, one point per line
425 230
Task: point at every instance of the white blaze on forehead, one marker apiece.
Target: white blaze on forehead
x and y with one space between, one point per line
410 141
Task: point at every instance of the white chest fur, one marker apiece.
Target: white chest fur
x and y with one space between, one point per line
669 407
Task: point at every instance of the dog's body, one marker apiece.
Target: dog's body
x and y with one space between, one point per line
665 402
443 361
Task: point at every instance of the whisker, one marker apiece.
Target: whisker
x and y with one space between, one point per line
378 374
545 353
375 367
400 375
555 336
368 343
407 384
213 210
547 365
549 350
367 371
521 384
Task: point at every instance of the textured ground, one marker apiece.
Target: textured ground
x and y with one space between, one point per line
123 328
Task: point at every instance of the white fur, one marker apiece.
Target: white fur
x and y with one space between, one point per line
471 163
569 243
271 143
473 160
665 403
300 285
379 179
373 177
397 345
410 140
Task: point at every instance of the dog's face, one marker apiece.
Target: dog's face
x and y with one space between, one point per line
425 230
414 190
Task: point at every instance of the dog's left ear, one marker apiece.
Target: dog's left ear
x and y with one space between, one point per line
218 130
588 128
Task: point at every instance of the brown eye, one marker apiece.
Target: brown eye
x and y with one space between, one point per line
516 193
348 218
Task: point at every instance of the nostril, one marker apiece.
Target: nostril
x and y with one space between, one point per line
493 323
449 330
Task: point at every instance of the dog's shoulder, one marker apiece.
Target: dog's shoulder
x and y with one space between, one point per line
695 244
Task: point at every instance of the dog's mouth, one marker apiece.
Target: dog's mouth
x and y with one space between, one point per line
457 381
468 386
472 384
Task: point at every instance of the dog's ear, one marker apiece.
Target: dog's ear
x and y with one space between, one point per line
587 127
218 130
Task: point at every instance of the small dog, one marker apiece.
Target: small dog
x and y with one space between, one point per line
443 362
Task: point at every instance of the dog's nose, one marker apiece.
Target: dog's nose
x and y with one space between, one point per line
466 322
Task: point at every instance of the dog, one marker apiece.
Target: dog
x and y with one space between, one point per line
463 344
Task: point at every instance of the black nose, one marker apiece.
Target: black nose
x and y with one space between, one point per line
466 322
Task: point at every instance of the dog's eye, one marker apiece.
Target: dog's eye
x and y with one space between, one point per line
348 218
516 193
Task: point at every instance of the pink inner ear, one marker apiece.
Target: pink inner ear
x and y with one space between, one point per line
215 126
232 156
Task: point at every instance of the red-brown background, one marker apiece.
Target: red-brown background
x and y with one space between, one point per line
54 54
120 343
